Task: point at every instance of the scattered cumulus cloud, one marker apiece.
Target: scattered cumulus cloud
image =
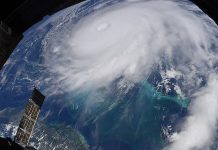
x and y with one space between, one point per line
127 39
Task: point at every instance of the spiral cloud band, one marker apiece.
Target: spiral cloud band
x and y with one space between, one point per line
127 39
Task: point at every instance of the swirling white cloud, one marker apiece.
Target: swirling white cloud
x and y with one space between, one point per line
127 39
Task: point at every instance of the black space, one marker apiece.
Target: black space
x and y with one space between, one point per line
21 14
210 7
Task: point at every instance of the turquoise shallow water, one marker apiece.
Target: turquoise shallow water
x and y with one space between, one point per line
158 97
135 120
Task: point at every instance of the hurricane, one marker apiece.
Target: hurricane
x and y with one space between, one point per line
124 44
128 39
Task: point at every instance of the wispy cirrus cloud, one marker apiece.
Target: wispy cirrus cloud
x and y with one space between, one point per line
127 39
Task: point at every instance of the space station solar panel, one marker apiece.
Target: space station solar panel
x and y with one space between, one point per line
27 124
22 137
29 118
32 109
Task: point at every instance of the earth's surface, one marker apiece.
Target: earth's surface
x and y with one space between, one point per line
117 75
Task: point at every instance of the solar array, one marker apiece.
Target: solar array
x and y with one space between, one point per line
29 118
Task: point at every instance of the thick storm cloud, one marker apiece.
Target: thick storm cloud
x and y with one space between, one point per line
126 40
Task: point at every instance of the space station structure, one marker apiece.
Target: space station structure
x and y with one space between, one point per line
29 118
